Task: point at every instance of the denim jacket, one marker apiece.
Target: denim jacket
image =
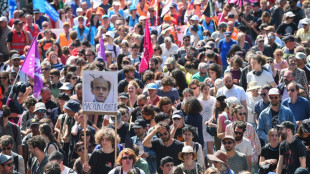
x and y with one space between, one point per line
265 120
151 160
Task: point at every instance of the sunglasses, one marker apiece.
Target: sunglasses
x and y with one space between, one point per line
152 10
228 142
190 53
270 61
44 25
41 111
45 69
164 134
7 164
16 60
126 63
291 90
260 41
127 158
6 148
4 77
194 88
244 113
263 94
87 134
186 40
88 54
238 133
270 37
113 69
176 118
73 78
279 55
199 45
203 72
271 98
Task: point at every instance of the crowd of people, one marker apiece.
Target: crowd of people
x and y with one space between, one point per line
226 90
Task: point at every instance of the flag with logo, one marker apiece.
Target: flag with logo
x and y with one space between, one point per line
46 8
12 7
147 49
32 67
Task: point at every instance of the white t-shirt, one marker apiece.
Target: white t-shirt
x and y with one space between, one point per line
243 147
264 79
66 170
250 102
113 171
168 53
235 91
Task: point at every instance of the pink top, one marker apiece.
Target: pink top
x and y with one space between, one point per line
222 120
279 66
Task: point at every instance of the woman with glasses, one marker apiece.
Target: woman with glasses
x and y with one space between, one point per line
279 62
275 72
264 19
270 153
126 160
122 33
5 81
158 52
80 163
71 78
113 67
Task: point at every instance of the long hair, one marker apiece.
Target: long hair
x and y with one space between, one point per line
180 79
192 106
47 131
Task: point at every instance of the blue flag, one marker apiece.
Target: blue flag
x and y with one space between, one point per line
46 8
12 7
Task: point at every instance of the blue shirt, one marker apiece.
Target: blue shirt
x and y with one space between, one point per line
300 109
265 120
260 106
225 47
112 12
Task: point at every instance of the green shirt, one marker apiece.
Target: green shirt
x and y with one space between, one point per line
199 78
143 165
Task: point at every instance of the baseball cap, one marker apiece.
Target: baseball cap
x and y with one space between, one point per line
301 56
151 86
223 25
260 37
169 61
227 33
4 158
305 125
289 14
289 38
131 8
210 44
72 105
269 27
195 18
110 33
256 4
65 23
79 10
167 18
141 18
116 3
231 15
34 121
63 96
287 124
66 86
17 21
80 17
105 16
165 160
99 59
123 95
139 123
39 106
177 114
3 19
36 10
304 21
274 91
15 56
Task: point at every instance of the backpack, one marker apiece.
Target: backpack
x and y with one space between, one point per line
58 149
15 157
14 127
118 170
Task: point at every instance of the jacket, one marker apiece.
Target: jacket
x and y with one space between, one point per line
265 120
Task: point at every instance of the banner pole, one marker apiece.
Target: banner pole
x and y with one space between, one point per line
115 139
85 137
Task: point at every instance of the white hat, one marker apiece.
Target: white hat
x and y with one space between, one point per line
79 10
289 14
116 3
305 21
142 18
3 19
110 33
274 91
252 86
195 18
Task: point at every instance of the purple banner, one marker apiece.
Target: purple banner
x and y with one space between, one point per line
101 50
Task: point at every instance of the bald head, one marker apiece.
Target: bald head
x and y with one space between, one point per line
228 80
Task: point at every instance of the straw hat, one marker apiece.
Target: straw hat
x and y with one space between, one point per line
187 149
253 85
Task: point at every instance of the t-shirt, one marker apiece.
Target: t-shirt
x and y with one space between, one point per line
269 152
284 28
238 162
235 91
244 147
161 151
173 94
101 162
122 131
264 78
291 153
225 47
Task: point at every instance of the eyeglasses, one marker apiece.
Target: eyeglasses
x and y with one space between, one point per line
73 78
238 133
291 90
199 45
242 113
186 40
270 37
164 134
87 134
126 63
227 142
88 54
113 68
52 77
194 88
4 77
271 98
279 55
260 41
16 60
6 148
263 94
190 53
41 111
7 164
270 61
45 69
203 72
127 158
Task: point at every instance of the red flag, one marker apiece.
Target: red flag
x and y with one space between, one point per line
148 49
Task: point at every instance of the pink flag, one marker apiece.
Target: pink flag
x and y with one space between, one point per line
101 50
166 7
148 49
32 67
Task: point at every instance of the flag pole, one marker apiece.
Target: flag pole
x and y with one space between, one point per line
9 98
115 139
